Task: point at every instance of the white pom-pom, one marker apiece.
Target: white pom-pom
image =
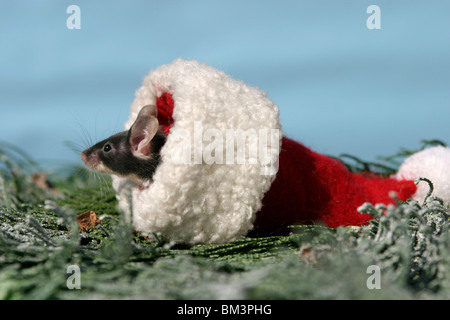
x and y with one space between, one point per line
432 163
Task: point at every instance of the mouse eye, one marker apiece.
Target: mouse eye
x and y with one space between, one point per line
107 147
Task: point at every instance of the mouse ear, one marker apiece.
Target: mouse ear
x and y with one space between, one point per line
143 130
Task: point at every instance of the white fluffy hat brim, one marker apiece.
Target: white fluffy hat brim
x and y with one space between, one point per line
200 202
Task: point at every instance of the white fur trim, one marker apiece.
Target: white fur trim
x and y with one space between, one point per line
432 163
201 203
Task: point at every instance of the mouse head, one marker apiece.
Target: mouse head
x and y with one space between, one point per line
126 153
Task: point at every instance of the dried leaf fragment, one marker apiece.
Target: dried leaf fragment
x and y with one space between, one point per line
87 220
42 181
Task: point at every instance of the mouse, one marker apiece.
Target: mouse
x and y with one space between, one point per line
132 154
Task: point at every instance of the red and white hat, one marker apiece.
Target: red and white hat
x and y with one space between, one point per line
212 187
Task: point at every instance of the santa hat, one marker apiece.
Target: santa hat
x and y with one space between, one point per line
226 168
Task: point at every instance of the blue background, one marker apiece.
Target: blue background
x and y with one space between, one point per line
340 87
